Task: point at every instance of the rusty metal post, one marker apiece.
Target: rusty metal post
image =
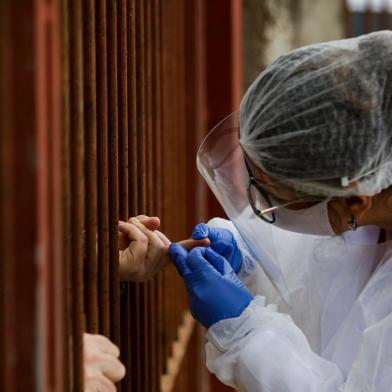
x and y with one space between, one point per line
77 183
90 97
18 136
113 171
122 48
103 168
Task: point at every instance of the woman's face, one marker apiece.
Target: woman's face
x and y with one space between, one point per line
366 210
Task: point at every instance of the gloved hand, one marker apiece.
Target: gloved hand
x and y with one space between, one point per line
222 241
214 290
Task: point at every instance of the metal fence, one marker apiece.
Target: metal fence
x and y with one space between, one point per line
366 16
103 105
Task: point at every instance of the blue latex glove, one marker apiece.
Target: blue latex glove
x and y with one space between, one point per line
214 290
222 242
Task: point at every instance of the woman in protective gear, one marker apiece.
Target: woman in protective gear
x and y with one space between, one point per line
296 288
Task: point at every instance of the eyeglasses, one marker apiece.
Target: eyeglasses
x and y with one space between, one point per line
261 203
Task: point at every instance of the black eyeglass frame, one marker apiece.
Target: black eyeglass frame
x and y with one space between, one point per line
253 182
261 213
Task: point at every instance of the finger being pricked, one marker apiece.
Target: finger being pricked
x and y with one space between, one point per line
191 243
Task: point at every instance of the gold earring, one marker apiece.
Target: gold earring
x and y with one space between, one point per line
352 223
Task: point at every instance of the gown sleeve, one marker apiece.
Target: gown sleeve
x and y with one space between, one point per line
263 350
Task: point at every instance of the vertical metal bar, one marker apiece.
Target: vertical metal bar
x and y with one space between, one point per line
151 320
368 21
20 323
58 303
195 119
113 172
66 184
142 183
123 176
384 19
123 108
347 20
103 168
7 346
167 17
49 197
91 272
77 213
157 173
133 107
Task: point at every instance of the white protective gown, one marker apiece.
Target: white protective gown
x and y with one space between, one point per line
336 334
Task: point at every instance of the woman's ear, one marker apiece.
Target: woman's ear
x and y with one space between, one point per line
358 206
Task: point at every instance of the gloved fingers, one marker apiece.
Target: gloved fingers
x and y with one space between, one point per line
224 267
198 262
216 260
223 248
179 256
202 230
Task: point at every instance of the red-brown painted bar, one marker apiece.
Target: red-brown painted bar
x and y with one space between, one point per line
77 183
150 285
124 200
113 171
133 295
19 241
103 168
368 22
90 125
157 173
51 322
385 20
67 249
6 302
123 109
142 179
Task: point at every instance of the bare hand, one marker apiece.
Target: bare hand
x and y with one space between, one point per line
102 368
148 250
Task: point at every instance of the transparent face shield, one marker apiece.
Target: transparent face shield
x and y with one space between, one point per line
220 160
281 252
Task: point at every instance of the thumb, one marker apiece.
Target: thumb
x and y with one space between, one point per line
198 262
179 256
223 248
223 266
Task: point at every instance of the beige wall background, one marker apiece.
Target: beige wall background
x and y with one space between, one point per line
274 27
